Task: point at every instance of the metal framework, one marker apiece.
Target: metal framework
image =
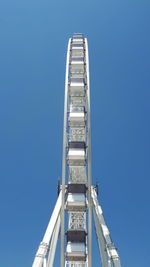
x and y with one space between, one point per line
77 197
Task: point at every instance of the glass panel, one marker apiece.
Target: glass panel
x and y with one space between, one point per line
77 80
77 58
77 69
77 45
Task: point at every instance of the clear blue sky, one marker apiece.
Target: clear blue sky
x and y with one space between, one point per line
33 42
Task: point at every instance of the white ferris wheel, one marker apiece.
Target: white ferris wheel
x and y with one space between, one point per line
77 201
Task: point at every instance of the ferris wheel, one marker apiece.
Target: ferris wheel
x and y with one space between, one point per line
77 202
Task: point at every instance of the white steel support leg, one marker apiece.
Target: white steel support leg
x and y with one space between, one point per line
89 163
44 245
104 239
62 261
101 242
53 244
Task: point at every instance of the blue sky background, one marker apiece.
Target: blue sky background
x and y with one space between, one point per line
33 43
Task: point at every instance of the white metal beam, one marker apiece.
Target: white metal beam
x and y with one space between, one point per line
53 244
101 242
44 245
62 261
104 239
89 161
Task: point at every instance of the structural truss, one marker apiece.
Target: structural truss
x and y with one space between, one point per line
77 201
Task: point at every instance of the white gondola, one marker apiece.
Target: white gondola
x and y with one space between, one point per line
78 198
76 157
76 201
75 251
77 40
77 51
76 117
77 154
77 87
77 65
